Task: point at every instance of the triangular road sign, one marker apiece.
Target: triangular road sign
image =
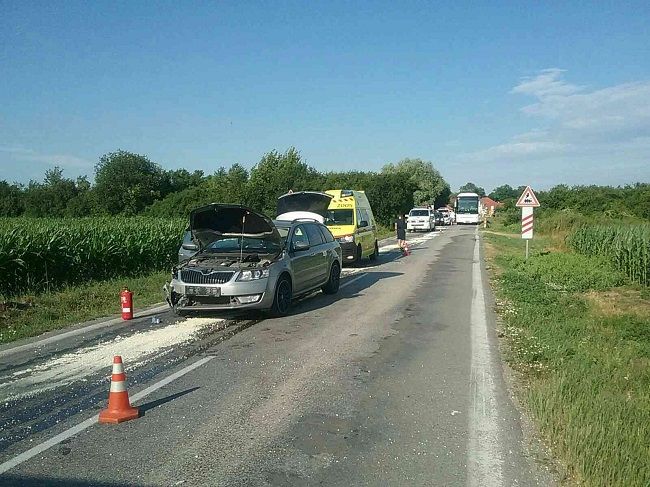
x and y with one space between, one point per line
527 198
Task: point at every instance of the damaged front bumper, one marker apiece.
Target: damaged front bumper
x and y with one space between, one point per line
257 294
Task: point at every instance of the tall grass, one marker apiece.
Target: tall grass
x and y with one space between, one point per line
587 373
626 246
46 254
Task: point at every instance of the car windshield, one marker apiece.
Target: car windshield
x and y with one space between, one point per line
339 217
419 213
250 245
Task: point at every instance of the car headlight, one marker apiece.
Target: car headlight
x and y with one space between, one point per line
346 239
253 274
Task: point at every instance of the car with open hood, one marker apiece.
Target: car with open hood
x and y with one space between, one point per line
303 204
245 260
346 213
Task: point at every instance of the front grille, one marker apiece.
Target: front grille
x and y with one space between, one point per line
192 276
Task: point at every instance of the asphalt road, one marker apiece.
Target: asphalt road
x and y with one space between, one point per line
396 380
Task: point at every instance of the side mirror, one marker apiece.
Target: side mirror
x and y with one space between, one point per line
190 246
300 246
363 224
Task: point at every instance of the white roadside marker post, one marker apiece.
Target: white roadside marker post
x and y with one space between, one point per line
527 202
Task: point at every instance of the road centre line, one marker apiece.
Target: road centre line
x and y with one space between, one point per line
484 455
55 440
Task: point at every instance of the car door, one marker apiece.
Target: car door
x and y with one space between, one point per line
301 260
364 232
320 269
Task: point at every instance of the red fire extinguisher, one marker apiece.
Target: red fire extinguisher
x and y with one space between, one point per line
126 298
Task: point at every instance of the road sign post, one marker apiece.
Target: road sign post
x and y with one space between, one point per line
527 202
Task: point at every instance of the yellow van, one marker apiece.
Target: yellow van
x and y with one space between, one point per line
350 219
346 213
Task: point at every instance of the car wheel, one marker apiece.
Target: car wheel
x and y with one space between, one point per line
332 285
357 257
282 298
375 254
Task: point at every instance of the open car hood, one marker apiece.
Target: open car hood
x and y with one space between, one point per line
304 201
215 221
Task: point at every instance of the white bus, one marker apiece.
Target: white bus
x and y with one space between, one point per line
467 208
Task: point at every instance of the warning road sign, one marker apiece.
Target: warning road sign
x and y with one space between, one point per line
527 199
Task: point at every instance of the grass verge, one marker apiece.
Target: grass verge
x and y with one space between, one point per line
33 315
579 339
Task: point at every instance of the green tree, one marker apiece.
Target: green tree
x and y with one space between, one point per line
126 183
276 174
179 179
12 199
428 182
355 180
471 188
180 203
504 192
51 197
236 181
390 195
444 197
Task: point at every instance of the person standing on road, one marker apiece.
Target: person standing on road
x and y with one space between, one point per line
400 228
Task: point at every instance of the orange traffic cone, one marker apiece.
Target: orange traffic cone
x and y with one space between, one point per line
119 408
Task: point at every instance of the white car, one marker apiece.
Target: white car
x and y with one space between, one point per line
447 217
421 219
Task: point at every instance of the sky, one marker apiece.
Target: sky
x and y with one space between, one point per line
519 93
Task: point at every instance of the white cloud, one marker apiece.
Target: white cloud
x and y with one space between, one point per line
64 161
545 84
592 128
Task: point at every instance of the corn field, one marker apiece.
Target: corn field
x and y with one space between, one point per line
627 246
45 254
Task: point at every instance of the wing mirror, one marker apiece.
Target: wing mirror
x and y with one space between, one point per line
300 246
190 246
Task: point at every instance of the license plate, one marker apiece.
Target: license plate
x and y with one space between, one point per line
203 291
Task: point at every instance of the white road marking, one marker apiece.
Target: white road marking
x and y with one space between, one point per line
484 453
55 440
345 284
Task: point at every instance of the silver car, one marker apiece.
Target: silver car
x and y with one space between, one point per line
244 260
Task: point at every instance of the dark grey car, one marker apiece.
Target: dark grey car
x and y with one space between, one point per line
245 260
188 248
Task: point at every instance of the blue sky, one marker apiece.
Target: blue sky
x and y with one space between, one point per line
492 92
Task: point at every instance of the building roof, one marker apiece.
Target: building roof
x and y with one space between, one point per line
487 201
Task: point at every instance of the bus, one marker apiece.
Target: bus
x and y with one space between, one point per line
467 208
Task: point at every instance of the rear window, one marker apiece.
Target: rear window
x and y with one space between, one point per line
327 235
315 237
419 213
